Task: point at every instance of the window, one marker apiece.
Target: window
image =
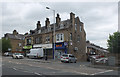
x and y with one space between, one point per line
37 40
19 44
70 36
75 27
47 39
80 28
49 29
78 38
60 37
61 26
39 31
29 41
57 37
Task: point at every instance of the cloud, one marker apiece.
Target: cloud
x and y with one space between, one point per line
100 19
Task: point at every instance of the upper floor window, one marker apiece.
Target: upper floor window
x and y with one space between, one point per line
70 36
37 40
75 27
78 38
47 39
61 26
80 28
19 44
49 29
60 37
29 41
39 31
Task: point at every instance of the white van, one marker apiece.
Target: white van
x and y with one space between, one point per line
36 53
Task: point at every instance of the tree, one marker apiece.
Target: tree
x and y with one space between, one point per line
114 42
5 44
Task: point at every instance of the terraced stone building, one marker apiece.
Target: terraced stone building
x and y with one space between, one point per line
70 37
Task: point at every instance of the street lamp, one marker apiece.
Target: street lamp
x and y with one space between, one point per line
54 32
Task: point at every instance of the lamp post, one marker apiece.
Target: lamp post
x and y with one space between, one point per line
53 33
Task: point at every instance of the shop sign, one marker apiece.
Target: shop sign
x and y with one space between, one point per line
27 47
43 46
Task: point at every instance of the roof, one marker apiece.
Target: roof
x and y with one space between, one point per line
17 36
62 25
91 45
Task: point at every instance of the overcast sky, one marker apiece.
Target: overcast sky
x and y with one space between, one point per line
100 18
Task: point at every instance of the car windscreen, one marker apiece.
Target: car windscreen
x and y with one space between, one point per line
71 56
17 53
65 55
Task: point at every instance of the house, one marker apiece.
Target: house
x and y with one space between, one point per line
70 37
92 49
16 41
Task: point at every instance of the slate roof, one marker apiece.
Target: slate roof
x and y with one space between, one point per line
91 45
17 36
63 25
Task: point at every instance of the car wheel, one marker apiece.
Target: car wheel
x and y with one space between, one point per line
75 61
16 57
69 61
12 57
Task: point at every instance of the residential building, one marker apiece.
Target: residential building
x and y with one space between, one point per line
70 37
93 49
16 40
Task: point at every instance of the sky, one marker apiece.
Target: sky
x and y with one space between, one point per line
100 18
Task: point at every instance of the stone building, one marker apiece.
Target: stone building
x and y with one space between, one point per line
93 49
16 41
70 37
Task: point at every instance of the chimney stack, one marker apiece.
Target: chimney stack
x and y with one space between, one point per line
47 23
15 32
38 25
58 19
72 17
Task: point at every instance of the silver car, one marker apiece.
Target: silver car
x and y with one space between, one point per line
68 58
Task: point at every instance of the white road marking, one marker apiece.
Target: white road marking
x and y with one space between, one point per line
81 73
102 72
37 73
14 68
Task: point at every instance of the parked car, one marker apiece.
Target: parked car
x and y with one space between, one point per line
8 54
17 56
68 58
99 59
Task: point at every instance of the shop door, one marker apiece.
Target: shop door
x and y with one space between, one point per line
58 54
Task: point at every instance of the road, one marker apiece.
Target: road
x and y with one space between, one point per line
39 67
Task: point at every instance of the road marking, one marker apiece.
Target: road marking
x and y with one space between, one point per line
37 73
18 63
81 73
102 72
82 65
14 68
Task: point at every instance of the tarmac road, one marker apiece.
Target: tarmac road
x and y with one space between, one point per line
40 67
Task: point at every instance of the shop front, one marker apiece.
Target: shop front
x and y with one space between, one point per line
47 49
26 49
60 49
